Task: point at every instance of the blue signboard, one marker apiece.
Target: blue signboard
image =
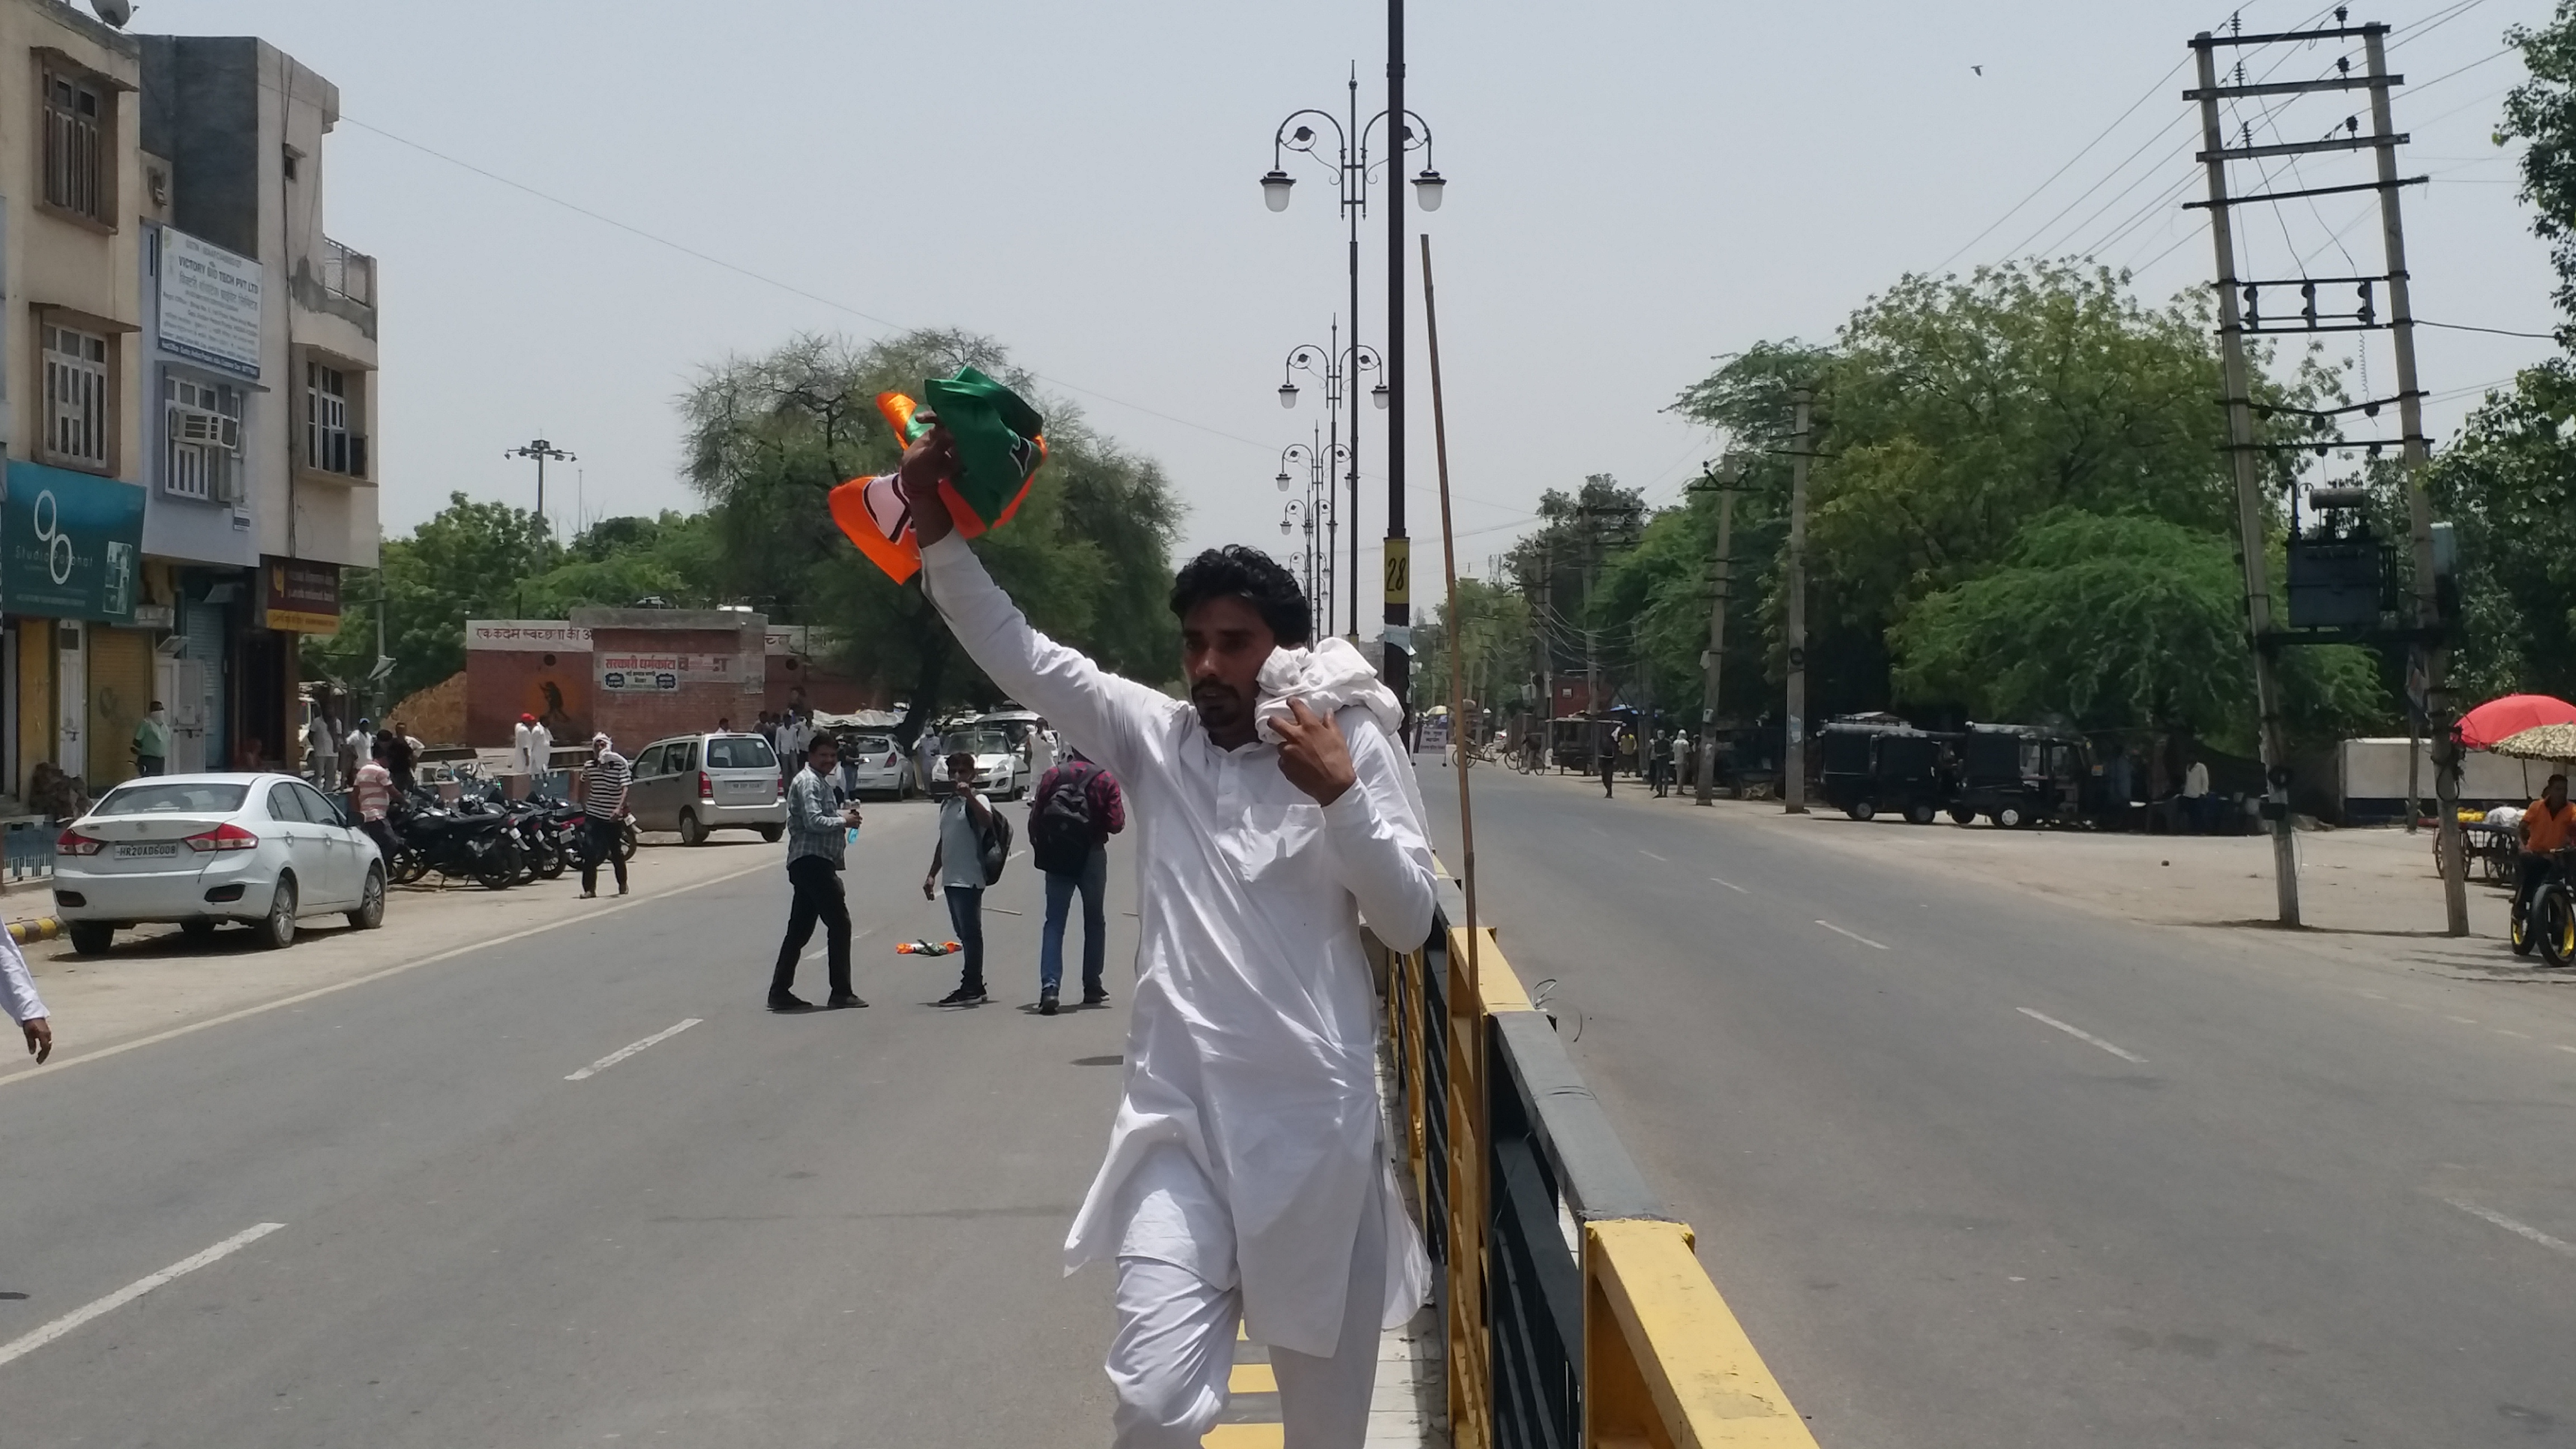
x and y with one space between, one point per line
71 545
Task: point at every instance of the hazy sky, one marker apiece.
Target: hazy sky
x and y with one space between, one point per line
1634 190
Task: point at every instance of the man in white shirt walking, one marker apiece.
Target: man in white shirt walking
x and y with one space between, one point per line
1245 1179
322 749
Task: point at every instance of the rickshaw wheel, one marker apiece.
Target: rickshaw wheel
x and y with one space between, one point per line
1962 815
1919 813
1862 809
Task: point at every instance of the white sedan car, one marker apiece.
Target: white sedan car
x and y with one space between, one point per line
1000 771
203 849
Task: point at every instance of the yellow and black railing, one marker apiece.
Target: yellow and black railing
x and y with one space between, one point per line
1574 1312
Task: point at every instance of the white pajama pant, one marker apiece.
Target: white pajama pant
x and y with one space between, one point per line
1174 1350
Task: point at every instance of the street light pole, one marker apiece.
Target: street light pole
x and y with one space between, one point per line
541 450
1340 374
1397 653
1351 172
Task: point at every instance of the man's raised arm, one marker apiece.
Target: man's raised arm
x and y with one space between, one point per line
1098 710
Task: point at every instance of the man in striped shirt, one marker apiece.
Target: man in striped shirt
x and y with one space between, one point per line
603 805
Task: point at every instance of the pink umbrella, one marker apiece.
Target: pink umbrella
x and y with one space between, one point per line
2497 719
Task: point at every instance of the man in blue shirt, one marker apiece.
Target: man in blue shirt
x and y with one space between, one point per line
818 831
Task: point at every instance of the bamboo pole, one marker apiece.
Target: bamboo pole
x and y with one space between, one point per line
1449 568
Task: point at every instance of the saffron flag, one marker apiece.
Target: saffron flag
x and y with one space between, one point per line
1000 441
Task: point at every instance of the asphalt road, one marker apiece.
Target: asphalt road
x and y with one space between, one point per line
2260 1200
835 1229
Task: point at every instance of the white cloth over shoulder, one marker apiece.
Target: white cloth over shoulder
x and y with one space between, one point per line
1332 677
1252 1045
17 988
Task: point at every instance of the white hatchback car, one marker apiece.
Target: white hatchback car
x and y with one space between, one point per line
875 765
203 849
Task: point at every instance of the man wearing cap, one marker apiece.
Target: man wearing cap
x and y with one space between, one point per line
532 748
603 807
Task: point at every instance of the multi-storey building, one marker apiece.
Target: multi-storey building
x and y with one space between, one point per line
186 393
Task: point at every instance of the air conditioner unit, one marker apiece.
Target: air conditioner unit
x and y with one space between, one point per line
197 425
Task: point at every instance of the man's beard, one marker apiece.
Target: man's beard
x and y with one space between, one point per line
1219 708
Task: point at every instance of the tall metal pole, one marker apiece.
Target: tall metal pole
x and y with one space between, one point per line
2253 531
1355 200
1332 398
1546 653
2431 652
1724 581
1793 758
1399 549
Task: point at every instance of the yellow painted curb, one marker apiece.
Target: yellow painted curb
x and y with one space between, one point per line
42 928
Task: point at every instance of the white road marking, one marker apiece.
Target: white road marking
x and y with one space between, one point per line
2373 995
2082 1035
18 1348
299 998
631 1048
2500 1031
2462 1020
1650 855
1730 885
816 952
2557 1047
1855 935
2518 1229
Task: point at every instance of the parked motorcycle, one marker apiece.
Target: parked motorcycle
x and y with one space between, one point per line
464 841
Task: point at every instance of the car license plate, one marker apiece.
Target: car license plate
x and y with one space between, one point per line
148 850
749 789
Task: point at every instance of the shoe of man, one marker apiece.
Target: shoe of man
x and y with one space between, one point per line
843 1001
590 895
1046 1002
1095 998
621 890
788 1001
963 997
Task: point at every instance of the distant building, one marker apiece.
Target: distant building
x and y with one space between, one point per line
642 673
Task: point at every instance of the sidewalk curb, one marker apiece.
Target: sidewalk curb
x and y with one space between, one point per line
41 928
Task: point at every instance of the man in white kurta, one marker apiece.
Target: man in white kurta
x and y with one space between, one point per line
1246 1176
18 998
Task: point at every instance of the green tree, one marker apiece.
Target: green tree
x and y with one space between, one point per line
769 437
471 560
2116 623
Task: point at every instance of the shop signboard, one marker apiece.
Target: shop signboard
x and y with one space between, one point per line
299 596
71 544
640 673
209 305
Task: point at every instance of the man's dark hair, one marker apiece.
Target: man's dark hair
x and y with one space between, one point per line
819 741
1254 577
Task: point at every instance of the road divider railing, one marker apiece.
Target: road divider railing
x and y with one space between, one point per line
1573 1309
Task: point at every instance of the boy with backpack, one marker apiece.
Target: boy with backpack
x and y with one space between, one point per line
972 845
1074 811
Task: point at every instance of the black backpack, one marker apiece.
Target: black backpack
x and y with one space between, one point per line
1061 833
994 841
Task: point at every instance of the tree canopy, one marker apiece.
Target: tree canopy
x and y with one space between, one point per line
767 439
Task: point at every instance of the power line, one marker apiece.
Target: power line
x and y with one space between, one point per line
1945 262
763 278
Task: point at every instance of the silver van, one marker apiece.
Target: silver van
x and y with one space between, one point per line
699 783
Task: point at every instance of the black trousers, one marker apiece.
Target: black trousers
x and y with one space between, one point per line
599 843
818 898
2534 870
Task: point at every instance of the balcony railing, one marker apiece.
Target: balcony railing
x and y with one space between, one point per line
348 275
1573 1310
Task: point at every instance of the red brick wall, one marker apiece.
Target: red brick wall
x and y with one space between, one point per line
501 684
638 719
825 689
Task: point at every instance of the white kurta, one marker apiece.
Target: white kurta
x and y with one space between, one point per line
17 989
1252 1045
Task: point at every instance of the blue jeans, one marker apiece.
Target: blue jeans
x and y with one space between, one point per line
1093 881
966 918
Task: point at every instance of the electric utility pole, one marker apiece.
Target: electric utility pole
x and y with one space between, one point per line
2253 517
1793 760
1399 549
1722 581
2431 653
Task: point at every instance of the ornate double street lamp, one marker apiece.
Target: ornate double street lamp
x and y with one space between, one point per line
1315 461
1352 172
1338 368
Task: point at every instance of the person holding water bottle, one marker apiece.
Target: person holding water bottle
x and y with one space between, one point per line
819 830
